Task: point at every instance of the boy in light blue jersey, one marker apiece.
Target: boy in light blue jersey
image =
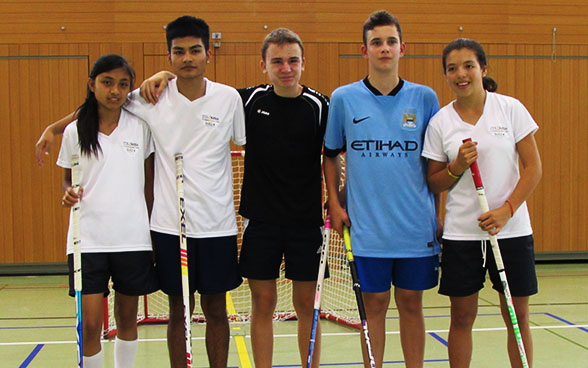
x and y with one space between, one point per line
380 124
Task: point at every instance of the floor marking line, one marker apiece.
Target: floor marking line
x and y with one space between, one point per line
294 335
239 339
31 356
565 321
439 338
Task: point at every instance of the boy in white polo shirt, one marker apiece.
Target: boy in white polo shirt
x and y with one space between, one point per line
198 118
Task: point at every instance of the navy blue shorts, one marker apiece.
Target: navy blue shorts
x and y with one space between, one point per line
132 273
463 271
212 264
376 275
265 244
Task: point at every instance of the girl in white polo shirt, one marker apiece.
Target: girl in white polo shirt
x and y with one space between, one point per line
502 131
115 150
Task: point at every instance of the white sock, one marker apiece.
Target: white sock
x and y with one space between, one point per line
124 353
94 361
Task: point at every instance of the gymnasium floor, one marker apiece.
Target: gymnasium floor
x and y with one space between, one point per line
37 329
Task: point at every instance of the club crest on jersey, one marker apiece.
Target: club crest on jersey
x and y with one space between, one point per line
409 119
130 147
210 121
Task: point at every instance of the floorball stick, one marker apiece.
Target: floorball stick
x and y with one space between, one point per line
499 263
179 158
77 256
319 287
358 296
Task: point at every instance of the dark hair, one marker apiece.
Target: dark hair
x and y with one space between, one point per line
380 18
465 43
88 119
186 26
280 36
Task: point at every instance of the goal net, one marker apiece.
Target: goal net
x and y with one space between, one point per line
337 303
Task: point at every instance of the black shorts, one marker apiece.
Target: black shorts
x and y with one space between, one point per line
265 244
463 272
132 273
212 264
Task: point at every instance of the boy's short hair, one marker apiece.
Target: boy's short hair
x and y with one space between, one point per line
186 26
380 18
281 36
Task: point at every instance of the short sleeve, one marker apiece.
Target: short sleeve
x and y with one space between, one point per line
335 133
137 106
238 121
433 144
69 145
522 122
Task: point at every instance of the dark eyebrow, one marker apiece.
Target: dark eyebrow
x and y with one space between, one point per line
190 48
120 80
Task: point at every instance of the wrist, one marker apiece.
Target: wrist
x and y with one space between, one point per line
452 173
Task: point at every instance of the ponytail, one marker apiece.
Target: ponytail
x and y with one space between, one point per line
88 125
489 84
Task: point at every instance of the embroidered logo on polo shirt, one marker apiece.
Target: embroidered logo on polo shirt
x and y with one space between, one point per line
210 121
409 119
499 130
131 147
262 112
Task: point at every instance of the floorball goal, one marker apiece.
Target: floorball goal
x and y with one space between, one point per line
338 299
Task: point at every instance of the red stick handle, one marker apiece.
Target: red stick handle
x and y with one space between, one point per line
475 170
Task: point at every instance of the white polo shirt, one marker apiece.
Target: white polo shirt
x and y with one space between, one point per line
504 122
113 214
202 130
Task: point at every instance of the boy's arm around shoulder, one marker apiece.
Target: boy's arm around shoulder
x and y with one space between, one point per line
47 138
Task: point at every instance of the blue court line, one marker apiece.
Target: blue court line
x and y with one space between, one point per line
31 356
438 338
478 315
565 321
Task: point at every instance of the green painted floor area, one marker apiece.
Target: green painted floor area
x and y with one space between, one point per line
37 319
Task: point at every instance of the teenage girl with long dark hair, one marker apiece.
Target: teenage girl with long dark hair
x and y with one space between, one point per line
115 150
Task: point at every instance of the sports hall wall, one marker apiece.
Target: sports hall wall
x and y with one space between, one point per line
538 53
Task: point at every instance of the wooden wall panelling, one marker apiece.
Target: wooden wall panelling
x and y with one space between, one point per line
565 114
572 153
322 67
581 154
6 215
238 64
326 21
352 66
36 85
